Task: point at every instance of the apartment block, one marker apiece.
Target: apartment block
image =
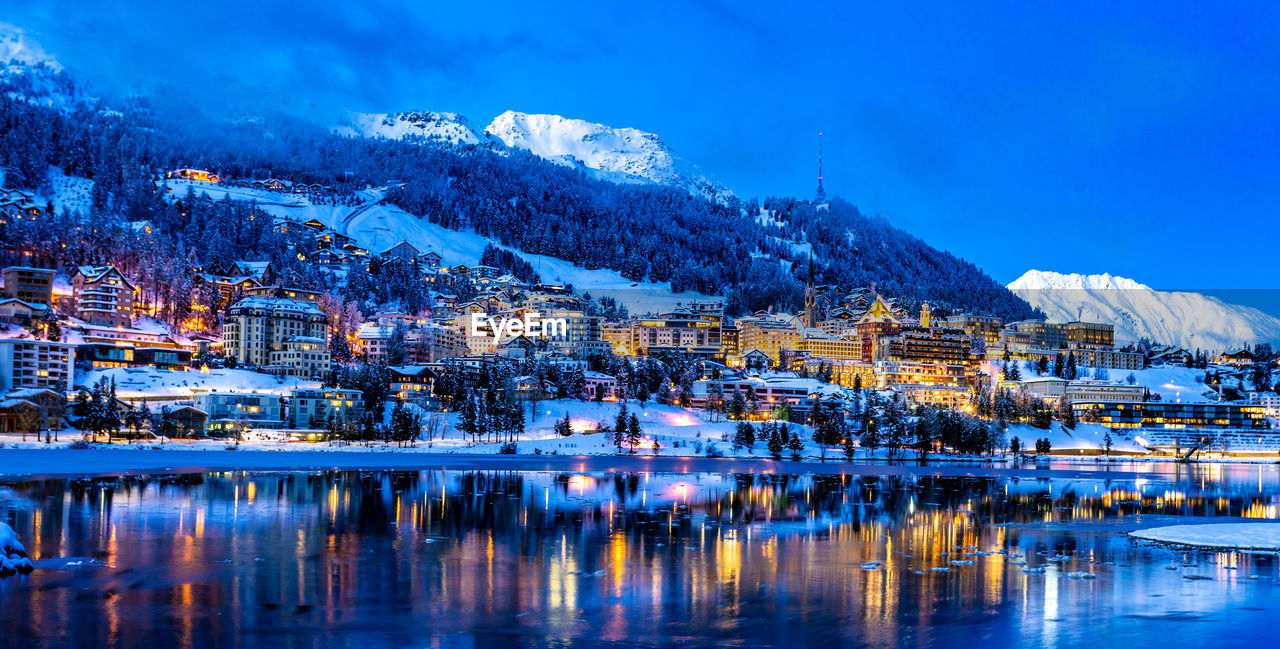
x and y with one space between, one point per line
40 364
33 285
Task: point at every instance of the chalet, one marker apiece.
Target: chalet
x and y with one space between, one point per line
227 286
403 250
259 270
412 383
272 184
1238 357
102 295
285 292
329 257
18 203
430 259
531 387
333 239
21 312
598 386
31 410
1169 355
517 347
756 360
179 421
194 174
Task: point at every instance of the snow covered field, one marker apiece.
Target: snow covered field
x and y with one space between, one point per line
1084 437
1239 536
137 382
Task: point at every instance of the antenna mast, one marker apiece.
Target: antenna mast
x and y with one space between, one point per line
821 196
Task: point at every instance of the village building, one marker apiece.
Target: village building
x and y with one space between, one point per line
31 410
256 327
41 364
314 408
412 383
21 312
31 285
181 421
232 413
102 295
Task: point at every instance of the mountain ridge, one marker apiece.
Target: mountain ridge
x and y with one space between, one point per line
1184 318
615 154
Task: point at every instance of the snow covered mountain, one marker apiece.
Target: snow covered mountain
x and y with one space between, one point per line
621 154
448 127
16 44
1189 320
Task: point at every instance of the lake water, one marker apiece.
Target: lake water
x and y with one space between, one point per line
339 559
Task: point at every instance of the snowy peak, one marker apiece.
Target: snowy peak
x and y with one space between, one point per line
16 44
1189 320
620 154
1038 280
426 125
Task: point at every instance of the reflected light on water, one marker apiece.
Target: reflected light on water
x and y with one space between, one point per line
359 558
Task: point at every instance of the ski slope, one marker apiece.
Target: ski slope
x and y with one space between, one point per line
377 226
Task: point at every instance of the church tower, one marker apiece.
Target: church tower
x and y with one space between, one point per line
925 315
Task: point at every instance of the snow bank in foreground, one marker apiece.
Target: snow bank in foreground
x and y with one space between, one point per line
1240 536
13 556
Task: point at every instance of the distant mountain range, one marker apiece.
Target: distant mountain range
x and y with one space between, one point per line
623 155
1189 320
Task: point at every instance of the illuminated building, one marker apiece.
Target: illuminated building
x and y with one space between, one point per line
878 322
31 285
257 326
102 295
1091 335
231 412
1169 425
40 364
312 408
1038 333
926 344
767 336
300 356
829 347
200 175
681 330
984 328
911 373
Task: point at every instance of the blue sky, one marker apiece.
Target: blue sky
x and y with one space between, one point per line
1100 137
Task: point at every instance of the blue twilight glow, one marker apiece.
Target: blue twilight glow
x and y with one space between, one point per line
1094 137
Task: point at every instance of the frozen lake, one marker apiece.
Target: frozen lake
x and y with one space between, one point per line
492 557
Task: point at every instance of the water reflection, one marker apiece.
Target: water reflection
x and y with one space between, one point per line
445 558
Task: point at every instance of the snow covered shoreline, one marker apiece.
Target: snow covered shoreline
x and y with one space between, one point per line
1234 536
30 463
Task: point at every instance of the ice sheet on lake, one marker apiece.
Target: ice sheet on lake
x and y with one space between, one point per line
1243 536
